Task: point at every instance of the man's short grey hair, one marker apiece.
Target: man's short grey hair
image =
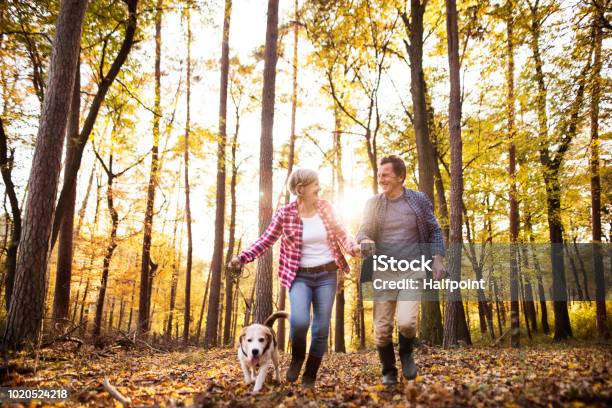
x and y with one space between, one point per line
301 177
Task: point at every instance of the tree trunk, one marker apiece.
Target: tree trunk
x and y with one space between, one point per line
282 292
152 271
598 267
361 317
76 302
455 327
513 210
202 308
585 280
235 312
536 265
553 199
500 323
173 288
25 315
414 47
229 312
248 310
570 258
530 306
110 316
91 259
83 301
61 298
263 303
110 249
187 310
431 327
72 312
121 311
145 295
105 82
562 322
441 199
77 231
176 263
6 167
212 318
551 164
339 343
129 326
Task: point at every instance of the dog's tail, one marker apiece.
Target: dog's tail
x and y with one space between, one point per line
276 315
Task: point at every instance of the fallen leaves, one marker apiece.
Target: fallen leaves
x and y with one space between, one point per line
483 377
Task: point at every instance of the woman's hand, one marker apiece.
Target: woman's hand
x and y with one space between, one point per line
234 263
355 250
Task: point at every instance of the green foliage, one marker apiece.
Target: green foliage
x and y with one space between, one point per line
583 318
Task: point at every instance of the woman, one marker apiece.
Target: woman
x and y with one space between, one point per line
310 259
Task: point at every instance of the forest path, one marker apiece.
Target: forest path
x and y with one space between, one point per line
572 375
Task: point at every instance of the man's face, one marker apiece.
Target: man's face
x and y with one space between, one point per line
387 179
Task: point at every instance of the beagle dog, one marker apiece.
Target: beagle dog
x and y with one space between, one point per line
257 350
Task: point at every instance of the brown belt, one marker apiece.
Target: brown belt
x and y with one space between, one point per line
328 267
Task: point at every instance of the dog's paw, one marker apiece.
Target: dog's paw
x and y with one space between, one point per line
248 381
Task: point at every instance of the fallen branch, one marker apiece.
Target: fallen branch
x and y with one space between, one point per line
115 393
65 336
126 340
64 339
135 340
500 338
14 368
149 346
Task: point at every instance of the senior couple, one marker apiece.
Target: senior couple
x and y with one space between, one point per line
311 257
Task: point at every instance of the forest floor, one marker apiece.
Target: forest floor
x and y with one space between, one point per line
545 375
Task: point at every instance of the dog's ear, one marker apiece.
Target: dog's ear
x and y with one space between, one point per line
241 338
270 338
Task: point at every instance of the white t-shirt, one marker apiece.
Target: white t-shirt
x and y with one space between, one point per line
315 248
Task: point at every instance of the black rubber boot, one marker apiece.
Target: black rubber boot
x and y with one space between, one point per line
298 351
387 360
310 372
406 347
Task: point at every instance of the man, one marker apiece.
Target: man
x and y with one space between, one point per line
402 225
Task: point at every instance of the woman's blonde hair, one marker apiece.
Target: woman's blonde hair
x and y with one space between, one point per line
301 177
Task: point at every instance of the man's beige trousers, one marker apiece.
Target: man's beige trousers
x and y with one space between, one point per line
389 303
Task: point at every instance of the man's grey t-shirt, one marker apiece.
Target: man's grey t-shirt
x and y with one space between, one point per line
399 234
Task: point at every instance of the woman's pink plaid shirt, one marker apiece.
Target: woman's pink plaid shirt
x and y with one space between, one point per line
287 225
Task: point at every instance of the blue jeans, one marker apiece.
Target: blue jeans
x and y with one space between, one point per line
318 289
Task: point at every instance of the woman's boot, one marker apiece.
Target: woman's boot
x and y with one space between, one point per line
298 351
310 372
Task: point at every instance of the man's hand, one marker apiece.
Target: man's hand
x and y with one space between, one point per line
367 247
439 272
